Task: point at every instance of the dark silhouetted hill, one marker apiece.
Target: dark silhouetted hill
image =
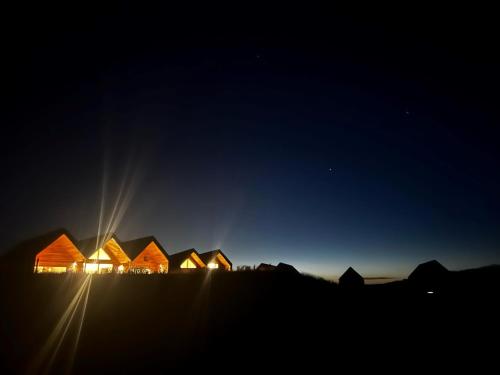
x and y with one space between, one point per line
284 267
237 320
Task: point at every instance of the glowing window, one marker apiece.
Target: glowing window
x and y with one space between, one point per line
213 265
43 269
188 263
121 269
100 254
101 268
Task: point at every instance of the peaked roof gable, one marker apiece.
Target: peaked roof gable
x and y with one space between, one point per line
177 258
134 248
89 246
209 256
28 249
428 269
350 274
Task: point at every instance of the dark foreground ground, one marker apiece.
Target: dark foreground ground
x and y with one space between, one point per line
242 321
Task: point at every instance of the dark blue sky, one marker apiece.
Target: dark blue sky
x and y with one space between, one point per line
334 141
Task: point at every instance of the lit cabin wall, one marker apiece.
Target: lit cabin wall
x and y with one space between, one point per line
151 258
118 260
59 254
223 263
116 252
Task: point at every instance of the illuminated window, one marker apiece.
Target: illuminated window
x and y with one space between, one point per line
121 269
213 266
188 263
101 268
106 268
43 269
100 254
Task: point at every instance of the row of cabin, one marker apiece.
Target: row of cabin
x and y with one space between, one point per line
60 252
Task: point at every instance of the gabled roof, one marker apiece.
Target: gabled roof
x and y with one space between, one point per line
209 256
111 244
428 270
134 247
89 245
177 258
28 249
350 275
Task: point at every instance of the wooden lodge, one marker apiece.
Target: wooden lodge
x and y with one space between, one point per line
55 252
61 255
104 254
147 254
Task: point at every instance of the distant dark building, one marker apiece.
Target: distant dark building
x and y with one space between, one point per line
266 267
429 274
351 278
283 267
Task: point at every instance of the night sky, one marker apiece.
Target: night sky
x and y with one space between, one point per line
322 139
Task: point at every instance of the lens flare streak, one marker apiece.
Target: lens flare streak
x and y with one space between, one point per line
59 333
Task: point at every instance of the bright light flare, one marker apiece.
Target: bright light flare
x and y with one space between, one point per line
92 268
49 351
